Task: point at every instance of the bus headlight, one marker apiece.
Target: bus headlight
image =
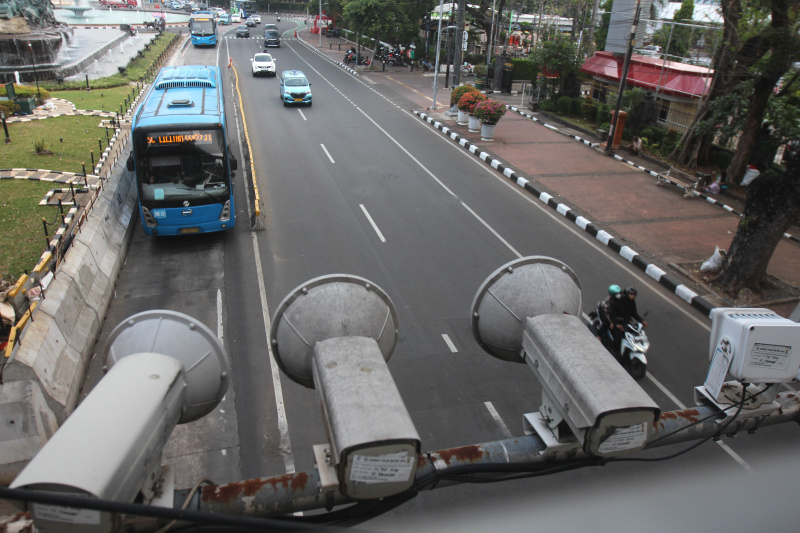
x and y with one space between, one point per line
149 220
225 215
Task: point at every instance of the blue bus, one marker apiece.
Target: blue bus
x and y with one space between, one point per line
180 153
203 28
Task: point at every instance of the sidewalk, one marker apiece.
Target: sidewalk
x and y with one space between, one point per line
667 230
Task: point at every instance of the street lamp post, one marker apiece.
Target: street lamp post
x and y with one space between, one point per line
35 75
491 38
319 26
438 50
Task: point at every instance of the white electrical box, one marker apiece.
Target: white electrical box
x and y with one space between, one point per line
757 345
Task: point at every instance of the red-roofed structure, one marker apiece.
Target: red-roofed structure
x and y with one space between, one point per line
678 87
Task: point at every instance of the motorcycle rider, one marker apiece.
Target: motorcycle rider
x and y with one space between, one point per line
629 307
621 311
604 309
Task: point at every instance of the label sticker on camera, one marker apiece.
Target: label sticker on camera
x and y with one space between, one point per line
389 468
627 438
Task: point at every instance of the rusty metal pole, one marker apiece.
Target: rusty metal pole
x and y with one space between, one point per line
289 493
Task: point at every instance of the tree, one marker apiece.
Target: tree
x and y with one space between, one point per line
560 55
601 34
769 45
773 200
773 204
676 39
385 20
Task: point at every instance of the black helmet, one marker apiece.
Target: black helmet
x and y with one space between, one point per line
631 290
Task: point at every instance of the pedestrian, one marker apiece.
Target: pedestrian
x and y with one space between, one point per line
636 145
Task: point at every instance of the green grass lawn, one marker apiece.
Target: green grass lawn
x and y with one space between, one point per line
69 139
22 240
108 99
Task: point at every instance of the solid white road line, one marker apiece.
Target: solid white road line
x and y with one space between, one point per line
374 226
283 423
496 416
735 456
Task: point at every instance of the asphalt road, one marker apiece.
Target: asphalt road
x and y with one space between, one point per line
355 184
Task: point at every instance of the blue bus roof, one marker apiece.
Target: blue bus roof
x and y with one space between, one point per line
186 94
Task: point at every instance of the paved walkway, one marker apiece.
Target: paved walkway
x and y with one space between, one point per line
656 228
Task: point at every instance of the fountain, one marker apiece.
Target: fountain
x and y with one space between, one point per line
30 38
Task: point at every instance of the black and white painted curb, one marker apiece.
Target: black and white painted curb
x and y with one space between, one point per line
661 177
626 252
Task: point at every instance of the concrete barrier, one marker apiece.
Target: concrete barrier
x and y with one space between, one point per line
46 369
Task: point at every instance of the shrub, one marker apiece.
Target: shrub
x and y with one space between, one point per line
39 146
480 71
653 134
588 110
470 100
26 91
575 107
547 105
524 69
670 141
490 111
564 105
603 113
460 91
9 107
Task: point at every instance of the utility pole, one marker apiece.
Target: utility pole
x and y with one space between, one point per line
593 23
457 56
491 37
438 51
623 79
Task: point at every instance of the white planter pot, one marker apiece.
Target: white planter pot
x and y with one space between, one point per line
474 124
487 132
463 117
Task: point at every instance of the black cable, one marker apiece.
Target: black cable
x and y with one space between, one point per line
712 415
241 523
697 444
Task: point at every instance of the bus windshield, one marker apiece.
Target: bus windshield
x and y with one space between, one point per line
203 26
180 168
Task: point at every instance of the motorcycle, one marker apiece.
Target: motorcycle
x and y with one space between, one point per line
632 352
350 58
395 59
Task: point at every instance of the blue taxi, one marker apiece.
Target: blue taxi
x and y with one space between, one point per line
295 88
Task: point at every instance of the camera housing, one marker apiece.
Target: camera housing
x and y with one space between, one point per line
764 347
527 311
586 388
163 368
335 334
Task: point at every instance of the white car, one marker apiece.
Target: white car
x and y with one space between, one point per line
256 17
236 18
263 64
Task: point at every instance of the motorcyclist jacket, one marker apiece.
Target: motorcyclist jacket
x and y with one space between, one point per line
627 308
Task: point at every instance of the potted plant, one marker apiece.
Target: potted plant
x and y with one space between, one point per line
456 95
480 75
467 104
489 112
